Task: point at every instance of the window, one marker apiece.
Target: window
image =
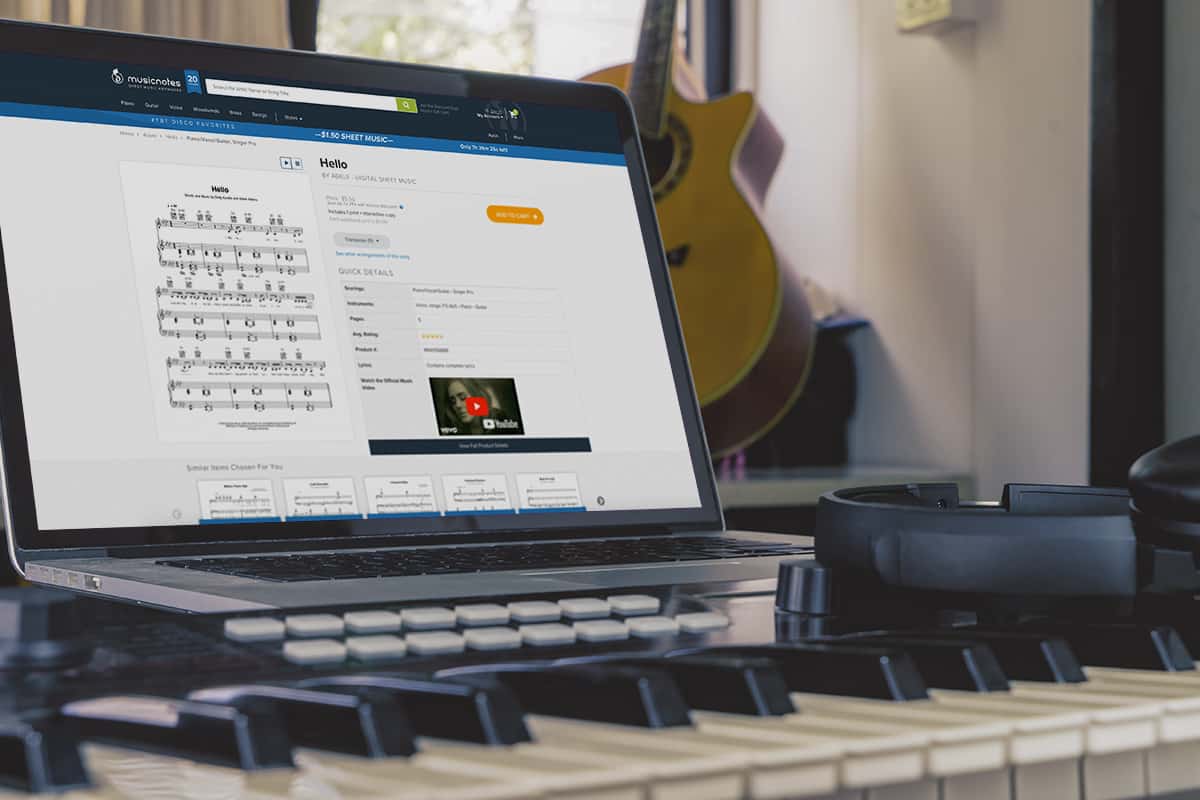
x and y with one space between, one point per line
553 38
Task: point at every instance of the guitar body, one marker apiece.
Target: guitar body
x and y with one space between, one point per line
745 316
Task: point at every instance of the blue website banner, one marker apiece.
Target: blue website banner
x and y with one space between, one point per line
233 128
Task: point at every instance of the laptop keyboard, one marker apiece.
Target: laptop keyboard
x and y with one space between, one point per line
483 558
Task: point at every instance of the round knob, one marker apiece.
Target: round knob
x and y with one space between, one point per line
804 587
40 629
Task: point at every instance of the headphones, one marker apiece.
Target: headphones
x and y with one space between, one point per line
1055 541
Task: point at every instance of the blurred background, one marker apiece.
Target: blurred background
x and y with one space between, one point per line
989 205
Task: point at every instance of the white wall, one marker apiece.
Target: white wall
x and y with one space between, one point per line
1182 86
939 184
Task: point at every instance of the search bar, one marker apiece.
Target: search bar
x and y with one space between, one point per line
300 94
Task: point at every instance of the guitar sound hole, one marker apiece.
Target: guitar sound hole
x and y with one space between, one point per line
668 157
660 156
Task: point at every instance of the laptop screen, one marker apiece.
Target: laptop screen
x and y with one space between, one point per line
237 299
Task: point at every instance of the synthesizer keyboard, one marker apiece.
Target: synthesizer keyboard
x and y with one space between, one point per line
651 695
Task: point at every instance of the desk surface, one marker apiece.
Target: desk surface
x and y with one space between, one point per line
801 486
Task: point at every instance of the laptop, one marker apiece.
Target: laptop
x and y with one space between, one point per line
280 330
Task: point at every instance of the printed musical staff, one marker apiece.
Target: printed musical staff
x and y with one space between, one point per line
228 297
231 228
321 497
236 499
252 326
465 493
296 368
249 259
210 395
235 305
400 496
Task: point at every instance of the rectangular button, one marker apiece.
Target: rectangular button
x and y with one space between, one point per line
314 625
534 611
584 607
481 614
373 621
601 630
433 643
631 605
310 652
492 639
383 647
547 634
427 619
254 629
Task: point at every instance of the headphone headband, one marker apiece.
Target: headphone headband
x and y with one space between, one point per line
1045 540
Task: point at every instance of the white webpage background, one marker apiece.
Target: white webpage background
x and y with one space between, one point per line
97 457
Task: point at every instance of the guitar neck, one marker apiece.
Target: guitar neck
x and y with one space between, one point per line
651 74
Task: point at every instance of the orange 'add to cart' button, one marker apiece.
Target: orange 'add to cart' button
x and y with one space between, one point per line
517 215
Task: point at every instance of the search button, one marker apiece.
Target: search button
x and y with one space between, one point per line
406 104
516 215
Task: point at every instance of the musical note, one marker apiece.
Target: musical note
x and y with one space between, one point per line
233 297
207 395
249 259
249 325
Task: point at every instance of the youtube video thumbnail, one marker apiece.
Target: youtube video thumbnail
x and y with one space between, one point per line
476 406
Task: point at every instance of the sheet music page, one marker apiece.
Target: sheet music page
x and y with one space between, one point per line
235 306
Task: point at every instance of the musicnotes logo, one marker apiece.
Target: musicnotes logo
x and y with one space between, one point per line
191 79
117 77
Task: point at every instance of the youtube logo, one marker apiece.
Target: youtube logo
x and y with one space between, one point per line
477 406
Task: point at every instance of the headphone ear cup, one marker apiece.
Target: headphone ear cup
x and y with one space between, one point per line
1165 482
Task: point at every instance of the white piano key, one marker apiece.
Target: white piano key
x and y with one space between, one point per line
915 790
373 621
681 765
383 647
254 629
427 618
479 614
314 625
556 772
311 652
534 611
1056 739
349 777
584 607
634 605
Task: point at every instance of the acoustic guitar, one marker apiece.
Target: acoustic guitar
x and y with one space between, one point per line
745 315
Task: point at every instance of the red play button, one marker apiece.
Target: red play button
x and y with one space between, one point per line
477 406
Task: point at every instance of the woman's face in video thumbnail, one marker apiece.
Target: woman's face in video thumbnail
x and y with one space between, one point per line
458 400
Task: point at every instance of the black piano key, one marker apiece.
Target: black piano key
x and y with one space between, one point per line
752 686
205 732
374 726
968 666
624 695
468 712
1128 645
880 673
40 757
1028 656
